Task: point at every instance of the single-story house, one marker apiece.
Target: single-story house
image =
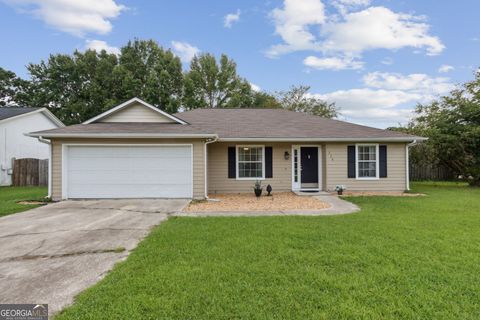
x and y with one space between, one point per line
15 122
136 150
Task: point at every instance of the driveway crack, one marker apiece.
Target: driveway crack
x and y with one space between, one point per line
28 256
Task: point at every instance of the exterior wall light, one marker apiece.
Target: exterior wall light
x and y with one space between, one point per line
286 155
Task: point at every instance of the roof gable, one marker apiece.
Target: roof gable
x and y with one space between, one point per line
12 113
135 110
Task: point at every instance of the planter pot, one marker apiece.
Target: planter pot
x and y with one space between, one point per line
340 192
258 192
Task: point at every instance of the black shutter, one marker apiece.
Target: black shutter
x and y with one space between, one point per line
232 168
351 161
383 161
268 162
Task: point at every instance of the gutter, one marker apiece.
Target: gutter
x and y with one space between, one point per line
407 163
43 140
215 139
352 139
120 135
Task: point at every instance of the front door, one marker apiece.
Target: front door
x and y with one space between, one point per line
309 165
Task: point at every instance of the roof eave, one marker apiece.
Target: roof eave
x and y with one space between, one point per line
319 139
120 135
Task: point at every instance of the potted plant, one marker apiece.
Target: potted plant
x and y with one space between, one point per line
340 189
258 188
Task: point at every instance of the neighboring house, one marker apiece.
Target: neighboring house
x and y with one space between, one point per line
15 123
138 151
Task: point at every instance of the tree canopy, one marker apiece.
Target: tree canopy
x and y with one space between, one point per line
452 124
79 86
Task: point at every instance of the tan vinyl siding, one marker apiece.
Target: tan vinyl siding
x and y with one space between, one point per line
218 181
336 168
198 159
136 113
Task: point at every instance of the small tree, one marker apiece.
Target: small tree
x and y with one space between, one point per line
297 99
452 125
209 84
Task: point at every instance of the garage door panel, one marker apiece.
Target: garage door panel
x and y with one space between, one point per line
116 177
119 164
129 171
115 191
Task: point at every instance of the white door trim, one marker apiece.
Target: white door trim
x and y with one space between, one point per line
298 185
66 145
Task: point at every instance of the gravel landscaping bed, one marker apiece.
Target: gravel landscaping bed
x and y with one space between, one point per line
248 202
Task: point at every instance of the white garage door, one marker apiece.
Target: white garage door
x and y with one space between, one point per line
163 171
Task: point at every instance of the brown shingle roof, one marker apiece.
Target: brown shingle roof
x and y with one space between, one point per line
126 128
278 123
236 124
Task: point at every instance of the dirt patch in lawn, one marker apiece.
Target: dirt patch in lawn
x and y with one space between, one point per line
248 202
380 193
32 202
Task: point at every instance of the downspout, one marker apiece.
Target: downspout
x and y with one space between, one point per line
43 140
208 141
407 164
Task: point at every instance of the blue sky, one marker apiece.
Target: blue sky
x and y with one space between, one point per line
375 59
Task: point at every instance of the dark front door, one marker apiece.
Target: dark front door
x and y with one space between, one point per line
309 162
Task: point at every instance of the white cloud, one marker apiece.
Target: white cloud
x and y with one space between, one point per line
445 68
379 28
416 82
387 61
387 98
292 25
99 45
184 50
73 16
231 18
332 63
304 26
255 87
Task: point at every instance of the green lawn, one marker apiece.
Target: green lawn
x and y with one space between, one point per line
399 258
9 196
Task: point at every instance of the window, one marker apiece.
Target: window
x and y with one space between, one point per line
250 162
367 161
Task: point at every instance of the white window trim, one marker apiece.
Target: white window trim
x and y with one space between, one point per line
377 161
263 161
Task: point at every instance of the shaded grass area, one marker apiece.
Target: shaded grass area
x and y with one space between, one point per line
9 196
399 258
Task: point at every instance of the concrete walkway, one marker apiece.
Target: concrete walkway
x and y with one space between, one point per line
52 253
337 207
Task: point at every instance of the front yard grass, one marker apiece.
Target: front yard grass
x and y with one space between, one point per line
399 258
9 196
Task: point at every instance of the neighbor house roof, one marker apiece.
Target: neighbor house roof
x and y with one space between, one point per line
8 113
282 125
236 125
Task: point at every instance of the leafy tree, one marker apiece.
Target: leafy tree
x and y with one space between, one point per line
209 84
75 87
150 73
11 88
263 99
297 99
452 124
79 86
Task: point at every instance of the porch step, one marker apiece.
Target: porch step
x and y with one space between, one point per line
312 193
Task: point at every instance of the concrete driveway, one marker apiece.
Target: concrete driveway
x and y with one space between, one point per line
50 254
